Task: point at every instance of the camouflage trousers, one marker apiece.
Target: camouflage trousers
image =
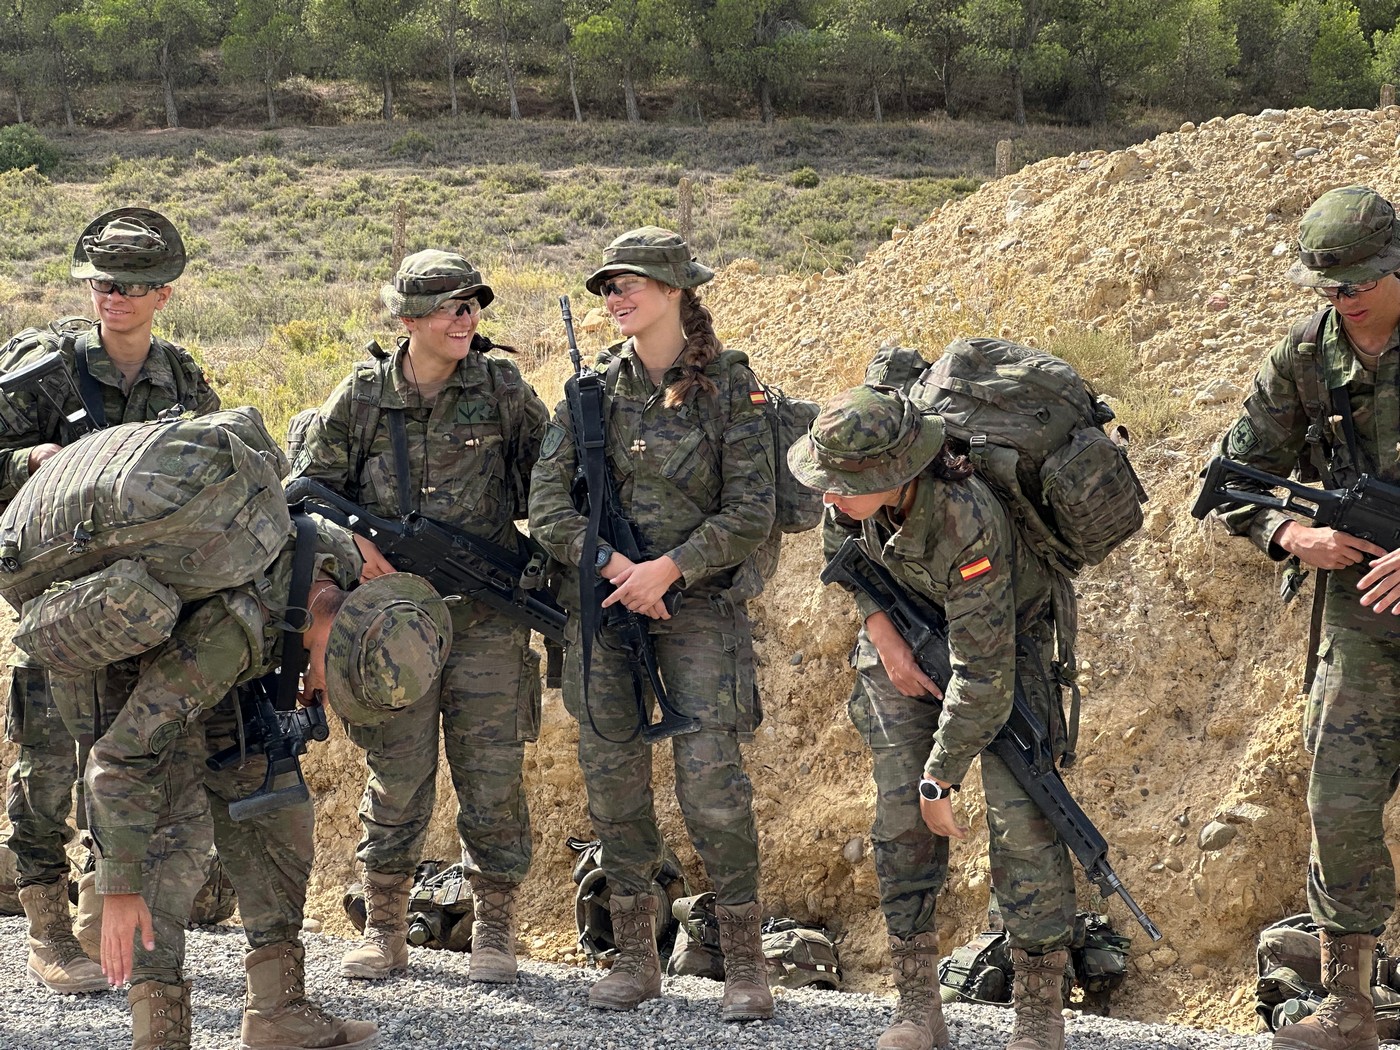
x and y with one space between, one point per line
39 788
1352 730
1032 878
487 707
705 653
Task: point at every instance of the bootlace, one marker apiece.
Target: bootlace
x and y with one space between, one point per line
58 927
382 920
915 987
630 930
492 921
1032 1007
743 959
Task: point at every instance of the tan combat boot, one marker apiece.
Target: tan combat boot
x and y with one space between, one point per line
1346 1019
56 960
384 950
160 1016
636 971
918 1018
87 924
493 932
1038 999
746 994
278 1016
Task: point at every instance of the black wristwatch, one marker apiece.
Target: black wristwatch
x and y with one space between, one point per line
933 791
603 556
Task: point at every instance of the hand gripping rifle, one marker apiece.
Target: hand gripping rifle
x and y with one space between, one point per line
1369 510
595 495
454 561
1022 743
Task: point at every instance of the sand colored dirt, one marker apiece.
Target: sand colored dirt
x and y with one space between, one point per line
1191 665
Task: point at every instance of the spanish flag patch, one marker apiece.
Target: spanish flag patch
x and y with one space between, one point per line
972 570
758 397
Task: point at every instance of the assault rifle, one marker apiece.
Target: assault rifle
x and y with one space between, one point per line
280 736
454 561
50 378
1369 510
595 495
1022 743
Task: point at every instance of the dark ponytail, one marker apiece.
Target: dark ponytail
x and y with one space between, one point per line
701 347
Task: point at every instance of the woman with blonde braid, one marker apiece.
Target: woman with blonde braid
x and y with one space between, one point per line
690 451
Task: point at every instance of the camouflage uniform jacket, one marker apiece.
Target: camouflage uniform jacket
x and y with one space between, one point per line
958 549
230 638
470 452
170 377
1273 431
697 480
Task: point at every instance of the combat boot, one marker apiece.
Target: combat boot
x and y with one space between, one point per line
746 994
1038 999
636 971
493 932
278 1016
918 1018
56 960
160 1015
1346 1019
384 950
87 924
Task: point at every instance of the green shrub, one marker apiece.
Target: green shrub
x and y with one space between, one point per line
413 144
804 179
22 147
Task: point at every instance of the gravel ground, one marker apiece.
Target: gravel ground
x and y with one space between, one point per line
436 1008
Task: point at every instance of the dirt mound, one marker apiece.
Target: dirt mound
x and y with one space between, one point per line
1191 666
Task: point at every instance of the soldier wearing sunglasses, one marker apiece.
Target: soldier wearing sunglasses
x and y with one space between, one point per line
121 373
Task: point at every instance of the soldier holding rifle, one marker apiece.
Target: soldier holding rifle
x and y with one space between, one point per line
1325 401
679 443
915 504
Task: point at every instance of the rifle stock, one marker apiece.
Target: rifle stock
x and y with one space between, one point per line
1022 743
1369 510
453 560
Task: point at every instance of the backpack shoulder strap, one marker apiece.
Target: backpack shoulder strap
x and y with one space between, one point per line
89 390
366 393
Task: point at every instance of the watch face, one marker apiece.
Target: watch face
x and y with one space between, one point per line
931 791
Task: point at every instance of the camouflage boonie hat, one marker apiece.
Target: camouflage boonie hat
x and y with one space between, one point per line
1348 236
429 278
651 252
387 645
129 245
868 439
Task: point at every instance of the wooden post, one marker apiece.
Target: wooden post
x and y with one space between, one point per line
684 208
1387 95
1003 163
400 233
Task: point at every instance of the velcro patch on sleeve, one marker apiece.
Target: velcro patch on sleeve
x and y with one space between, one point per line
974 569
758 397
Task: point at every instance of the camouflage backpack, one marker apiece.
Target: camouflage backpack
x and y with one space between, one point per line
1289 987
297 427
798 955
138 519
591 915
980 971
1035 433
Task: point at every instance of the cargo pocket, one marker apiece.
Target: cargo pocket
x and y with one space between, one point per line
529 697
367 738
693 467
29 712
1326 681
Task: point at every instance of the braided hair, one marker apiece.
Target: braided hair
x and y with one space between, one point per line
701 347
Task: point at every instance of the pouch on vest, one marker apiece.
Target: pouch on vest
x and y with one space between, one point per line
798 955
109 615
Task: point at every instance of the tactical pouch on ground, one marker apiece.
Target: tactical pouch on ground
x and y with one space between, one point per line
980 971
591 915
697 951
439 907
799 955
1289 987
112 614
1099 956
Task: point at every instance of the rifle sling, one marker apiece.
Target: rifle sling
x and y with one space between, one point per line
293 646
89 390
398 441
1315 627
590 447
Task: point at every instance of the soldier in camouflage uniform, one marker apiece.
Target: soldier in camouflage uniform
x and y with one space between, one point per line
472 433
691 454
129 257
1329 390
916 505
